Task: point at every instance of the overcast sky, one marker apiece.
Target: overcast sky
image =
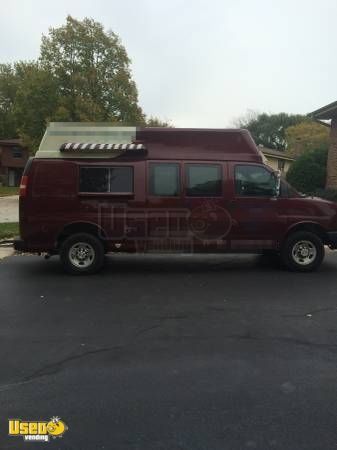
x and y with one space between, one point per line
202 63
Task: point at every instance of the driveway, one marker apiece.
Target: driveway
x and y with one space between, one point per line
179 352
9 209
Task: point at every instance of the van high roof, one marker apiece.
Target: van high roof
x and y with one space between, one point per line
105 140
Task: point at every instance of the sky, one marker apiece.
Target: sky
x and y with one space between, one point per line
202 63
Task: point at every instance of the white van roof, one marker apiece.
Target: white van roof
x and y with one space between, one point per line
63 139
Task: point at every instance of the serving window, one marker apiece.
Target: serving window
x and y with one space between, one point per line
114 180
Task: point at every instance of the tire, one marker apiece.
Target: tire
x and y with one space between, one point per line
82 253
302 251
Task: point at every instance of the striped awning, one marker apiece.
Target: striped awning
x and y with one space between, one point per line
92 147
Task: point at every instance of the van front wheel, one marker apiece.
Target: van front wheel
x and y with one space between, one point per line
82 253
302 251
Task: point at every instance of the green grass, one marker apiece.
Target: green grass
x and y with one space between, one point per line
9 230
6 190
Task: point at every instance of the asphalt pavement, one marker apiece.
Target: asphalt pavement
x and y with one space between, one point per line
171 352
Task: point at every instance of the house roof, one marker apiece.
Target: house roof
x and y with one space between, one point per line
11 142
276 153
325 112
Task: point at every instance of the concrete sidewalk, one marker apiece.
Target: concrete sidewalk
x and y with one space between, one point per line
9 209
5 252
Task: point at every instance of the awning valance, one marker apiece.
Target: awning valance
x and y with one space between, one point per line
93 147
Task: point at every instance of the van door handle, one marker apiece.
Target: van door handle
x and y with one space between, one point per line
130 229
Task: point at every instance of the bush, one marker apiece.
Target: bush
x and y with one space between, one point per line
3 180
308 173
328 194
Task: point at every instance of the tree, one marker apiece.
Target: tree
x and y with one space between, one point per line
92 72
308 173
82 74
269 129
35 103
28 98
155 122
306 136
8 87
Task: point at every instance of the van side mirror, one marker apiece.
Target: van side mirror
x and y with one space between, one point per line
277 175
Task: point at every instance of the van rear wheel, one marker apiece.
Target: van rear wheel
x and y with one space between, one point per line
82 253
302 251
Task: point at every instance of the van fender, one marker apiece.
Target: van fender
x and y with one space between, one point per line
313 227
81 227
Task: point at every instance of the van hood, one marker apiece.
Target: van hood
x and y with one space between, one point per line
320 199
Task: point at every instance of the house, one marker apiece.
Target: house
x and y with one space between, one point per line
13 158
277 159
327 116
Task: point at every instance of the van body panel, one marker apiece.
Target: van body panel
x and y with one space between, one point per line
209 209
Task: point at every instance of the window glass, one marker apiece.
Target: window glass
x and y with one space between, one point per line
280 164
106 179
254 181
121 179
16 152
203 180
164 180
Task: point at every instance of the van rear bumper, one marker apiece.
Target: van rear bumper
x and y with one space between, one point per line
332 236
23 246
19 244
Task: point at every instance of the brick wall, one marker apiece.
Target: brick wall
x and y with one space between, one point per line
331 180
7 159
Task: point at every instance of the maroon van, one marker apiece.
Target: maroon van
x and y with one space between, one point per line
94 189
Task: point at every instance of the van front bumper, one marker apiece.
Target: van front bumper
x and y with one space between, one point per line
332 237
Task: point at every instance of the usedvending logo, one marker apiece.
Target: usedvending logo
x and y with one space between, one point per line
38 430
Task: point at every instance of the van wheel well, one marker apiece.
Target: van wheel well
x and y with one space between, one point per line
312 228
81 227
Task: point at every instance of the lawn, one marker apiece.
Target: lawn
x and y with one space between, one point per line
6 190
9 230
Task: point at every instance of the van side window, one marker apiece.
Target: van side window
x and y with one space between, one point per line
117 180
203 180
164 179
255 181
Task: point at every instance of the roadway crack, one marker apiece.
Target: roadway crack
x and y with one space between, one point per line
53 368
311 313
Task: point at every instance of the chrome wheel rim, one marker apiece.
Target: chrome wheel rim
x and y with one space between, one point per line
81 255
304 253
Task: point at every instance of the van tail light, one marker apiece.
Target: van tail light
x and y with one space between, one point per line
23 186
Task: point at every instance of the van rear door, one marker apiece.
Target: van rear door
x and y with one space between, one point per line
166 216
205 197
